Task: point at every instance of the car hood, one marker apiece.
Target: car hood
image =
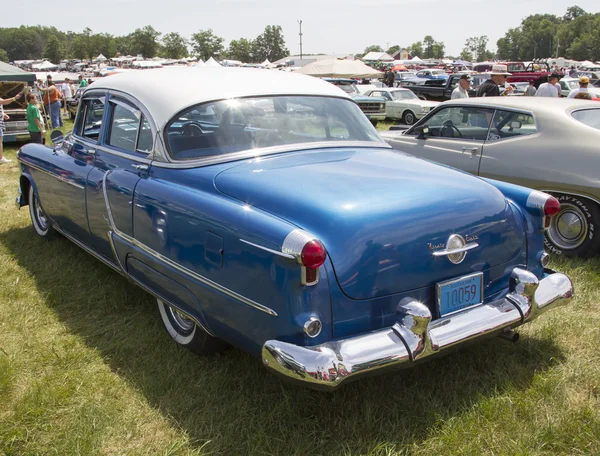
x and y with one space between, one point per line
381 214
363 98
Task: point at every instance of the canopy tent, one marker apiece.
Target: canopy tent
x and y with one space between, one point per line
587 63
339 69
212 63
416 59
100 58
377 57
45 65
399 68
462 62
266 63
199 63
13 74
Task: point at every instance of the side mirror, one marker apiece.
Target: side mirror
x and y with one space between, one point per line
421 131
57 137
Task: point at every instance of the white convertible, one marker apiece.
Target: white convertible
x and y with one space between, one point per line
403 104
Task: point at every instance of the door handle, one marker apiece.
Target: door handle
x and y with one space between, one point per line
473 150
141 167
90 151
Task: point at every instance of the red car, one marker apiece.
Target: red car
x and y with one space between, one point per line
536 71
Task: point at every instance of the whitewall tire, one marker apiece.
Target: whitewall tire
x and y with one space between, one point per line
186 333
39 220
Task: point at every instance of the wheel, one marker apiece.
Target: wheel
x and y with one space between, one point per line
39 220
408 118
574 231
71 116
373 122
186 332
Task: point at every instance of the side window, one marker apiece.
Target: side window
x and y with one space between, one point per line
508 124
124 126
144 143
89 121
589 117
460 123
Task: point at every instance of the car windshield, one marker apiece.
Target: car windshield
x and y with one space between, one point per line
348 88
242 124
404 95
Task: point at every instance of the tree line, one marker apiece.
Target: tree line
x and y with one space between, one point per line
575 35
36 42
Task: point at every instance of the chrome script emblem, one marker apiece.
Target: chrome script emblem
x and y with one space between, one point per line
456 248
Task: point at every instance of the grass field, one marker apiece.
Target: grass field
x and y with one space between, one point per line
85 368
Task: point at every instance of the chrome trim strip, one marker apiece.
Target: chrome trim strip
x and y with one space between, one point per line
266 249
265 151
89 250
537 199
177 266
60 178
466 248
294 242
130 156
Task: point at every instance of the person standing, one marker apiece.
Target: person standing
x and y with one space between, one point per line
82 81
65 88
34 119
52 103
551 88
498 77
583 87
462 89
530 90
3 117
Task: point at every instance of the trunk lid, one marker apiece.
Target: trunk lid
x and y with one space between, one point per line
381 213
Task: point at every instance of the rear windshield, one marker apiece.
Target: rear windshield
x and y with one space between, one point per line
235 125
590 117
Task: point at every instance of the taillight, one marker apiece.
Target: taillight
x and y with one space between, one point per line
308 251
551 207
313 254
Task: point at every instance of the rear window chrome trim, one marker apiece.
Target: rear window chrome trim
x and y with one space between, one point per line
266 151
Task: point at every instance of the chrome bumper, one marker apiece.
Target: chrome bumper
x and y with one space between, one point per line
415 337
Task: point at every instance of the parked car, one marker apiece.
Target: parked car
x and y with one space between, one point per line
546 144
272 216
403 104
374 108
431 74
403 75
520 71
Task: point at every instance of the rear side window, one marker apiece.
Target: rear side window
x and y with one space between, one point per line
589 117
508 124
129 129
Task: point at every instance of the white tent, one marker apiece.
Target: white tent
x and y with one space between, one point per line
199 63
587 63
416 59
45 65
266 63
339 69
100 58
377 57
212 62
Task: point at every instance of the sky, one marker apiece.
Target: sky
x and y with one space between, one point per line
328 26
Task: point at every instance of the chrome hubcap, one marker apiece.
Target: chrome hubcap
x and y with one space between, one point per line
569 228
186 324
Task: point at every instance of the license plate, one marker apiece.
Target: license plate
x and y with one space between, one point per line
458 294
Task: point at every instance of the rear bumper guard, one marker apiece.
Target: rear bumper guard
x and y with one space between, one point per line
415 337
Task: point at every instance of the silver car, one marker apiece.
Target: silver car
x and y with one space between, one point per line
547 144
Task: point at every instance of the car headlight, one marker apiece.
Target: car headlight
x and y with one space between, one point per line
425 109
382 106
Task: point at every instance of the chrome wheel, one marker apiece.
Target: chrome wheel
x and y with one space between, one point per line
40 216
185 324
39 219
569 229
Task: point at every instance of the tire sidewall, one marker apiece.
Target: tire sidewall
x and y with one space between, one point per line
33 205
172 328
591 243
408 115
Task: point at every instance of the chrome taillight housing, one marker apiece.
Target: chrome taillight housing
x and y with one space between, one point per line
547 204
309 252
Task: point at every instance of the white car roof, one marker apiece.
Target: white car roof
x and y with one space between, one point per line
539 105
167 91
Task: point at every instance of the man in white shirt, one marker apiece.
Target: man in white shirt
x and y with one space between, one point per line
550 88
530 91
462 89
583 86
65 89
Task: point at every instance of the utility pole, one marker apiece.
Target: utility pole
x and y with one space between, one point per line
557 46
300 23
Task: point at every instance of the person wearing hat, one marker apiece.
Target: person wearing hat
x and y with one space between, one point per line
583 86
462 89
550 88
530 90
498 77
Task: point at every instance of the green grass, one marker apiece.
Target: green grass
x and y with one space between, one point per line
85 368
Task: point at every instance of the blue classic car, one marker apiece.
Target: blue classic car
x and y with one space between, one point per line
271 216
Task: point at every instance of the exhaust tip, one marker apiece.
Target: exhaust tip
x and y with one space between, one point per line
510 336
